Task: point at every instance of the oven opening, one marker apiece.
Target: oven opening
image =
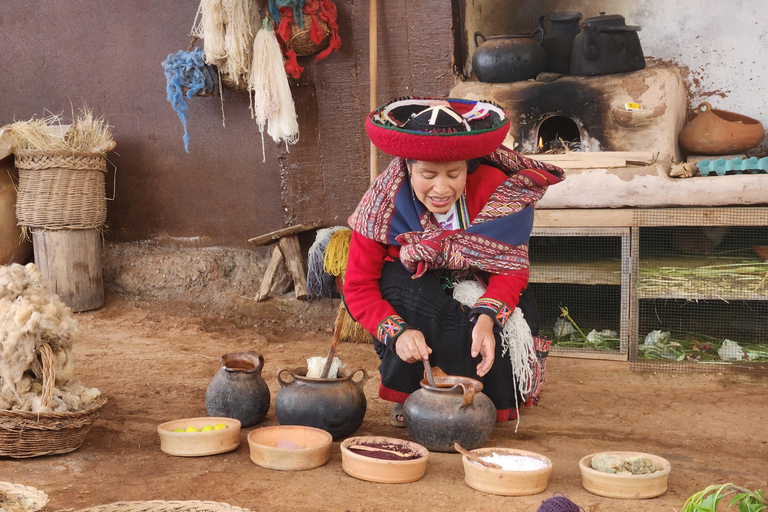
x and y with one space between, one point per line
558 134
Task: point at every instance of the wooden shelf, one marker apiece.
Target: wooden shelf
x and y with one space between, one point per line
592 273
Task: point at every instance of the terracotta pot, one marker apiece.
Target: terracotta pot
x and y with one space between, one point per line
718 132
506 482
289 448
381 470
334 405
238 390
614 485
454 411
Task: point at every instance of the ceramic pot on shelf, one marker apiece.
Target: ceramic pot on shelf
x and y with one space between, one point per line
238 390
719 132
453 411
509 58
558 40
336 405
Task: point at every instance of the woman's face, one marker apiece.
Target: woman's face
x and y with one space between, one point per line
438 184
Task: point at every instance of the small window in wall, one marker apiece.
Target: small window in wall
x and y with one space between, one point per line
558 134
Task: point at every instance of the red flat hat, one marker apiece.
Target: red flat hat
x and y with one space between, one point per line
437 129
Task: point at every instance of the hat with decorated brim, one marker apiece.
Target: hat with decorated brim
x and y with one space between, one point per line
437 129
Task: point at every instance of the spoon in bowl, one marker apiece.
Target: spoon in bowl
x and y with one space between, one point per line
474 458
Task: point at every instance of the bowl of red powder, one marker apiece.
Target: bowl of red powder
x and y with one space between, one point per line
385 460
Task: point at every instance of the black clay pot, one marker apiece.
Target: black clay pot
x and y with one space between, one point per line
502 59
238 389
334 405
558 39
454 411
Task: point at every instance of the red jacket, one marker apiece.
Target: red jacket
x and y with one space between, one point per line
362 295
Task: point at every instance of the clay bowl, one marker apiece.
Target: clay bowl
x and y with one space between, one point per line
506 482
612 485
290 447
195 444
376 459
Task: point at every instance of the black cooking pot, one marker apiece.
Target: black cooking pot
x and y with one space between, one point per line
606 44
512 58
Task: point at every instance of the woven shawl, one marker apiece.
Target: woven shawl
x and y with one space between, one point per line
495 242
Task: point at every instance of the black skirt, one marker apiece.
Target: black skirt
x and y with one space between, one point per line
444 321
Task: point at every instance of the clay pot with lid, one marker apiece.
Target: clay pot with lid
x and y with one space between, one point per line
335 405
509 58
558 39
238 390
719 132
453 411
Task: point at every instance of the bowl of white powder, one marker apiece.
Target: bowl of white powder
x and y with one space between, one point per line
522 473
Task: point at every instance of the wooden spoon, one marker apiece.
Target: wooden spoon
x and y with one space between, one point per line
471 456
334 344
428 371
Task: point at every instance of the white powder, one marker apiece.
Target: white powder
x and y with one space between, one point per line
515 462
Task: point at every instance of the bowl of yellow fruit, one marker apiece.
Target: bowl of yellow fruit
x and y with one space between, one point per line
193 437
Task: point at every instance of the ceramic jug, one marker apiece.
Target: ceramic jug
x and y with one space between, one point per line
558 39
335 405
453 411
238 390
719 132
501 59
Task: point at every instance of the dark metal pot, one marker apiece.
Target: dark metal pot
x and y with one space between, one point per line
558 39
334 405
454 411
238 390
606 44
501 59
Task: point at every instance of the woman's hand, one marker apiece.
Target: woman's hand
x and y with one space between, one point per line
484 343
411 346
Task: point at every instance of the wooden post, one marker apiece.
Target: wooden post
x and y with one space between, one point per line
373 71
289 245
71 259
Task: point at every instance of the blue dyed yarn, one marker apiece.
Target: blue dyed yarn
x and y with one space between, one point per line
187 69
296 5
558 504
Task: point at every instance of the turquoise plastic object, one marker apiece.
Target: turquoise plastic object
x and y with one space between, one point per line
722 166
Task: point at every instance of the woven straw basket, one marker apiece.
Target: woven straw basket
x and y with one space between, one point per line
302 44
60 189
165 506
32 434
35 498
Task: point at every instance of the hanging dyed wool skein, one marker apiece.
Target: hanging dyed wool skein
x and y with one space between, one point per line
272 103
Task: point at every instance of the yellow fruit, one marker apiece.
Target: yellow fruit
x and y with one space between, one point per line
206 428
178 430
219 426
192 428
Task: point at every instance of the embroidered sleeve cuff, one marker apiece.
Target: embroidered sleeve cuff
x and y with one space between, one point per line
390 328
499 311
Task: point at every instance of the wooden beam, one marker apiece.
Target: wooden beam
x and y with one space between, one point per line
575 217
596 159
274 236
274 266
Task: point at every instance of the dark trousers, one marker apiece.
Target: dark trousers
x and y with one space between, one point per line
448 331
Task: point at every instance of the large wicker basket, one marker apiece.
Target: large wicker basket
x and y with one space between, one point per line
31 434
61 189
165 506
34 499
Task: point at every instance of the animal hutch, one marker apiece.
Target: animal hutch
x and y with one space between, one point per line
627 262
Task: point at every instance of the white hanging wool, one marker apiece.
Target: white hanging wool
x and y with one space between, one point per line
272 101
30 316
210 24
515 337
238 39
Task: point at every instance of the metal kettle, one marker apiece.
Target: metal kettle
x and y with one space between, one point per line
606 44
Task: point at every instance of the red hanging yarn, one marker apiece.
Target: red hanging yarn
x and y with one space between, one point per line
323 10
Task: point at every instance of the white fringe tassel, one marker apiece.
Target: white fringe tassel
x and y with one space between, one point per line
516 338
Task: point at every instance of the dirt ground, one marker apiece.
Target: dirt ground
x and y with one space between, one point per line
154 360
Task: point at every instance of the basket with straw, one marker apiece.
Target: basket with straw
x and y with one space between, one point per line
21 498
32 434
61 173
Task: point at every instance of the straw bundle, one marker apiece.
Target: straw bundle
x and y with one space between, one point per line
86 134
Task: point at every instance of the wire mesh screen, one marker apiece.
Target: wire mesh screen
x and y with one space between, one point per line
702 293
580 279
